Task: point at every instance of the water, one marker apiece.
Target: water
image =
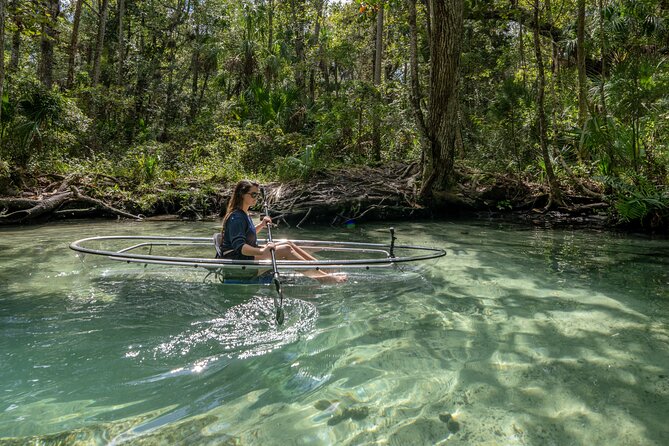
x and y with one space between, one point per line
516 337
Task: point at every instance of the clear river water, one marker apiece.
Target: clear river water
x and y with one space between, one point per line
517 336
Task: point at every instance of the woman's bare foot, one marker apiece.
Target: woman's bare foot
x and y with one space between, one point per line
332 278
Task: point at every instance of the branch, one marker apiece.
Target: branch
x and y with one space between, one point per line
102 204
303 218
515 14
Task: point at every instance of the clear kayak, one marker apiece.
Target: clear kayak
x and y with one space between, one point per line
199 252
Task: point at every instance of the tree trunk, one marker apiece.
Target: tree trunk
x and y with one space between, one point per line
428 8
415 96
121 43
16 40
73 44
378 61
314 41
169 111
2 56
446 18
195 63
322 62
100 42
602 93
47 43
521 50
298 32
16 49
555 196
270 26
554 74
580 63
172 37
141 82
604 51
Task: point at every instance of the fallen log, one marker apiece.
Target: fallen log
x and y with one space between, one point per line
21 210
41 207
17 203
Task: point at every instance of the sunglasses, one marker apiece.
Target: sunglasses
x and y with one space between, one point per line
254 195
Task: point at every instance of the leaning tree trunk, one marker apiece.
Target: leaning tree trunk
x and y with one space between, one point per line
555 195
446 18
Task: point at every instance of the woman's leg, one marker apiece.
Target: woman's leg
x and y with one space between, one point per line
290 251
303 253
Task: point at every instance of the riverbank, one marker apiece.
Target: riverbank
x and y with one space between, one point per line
333 197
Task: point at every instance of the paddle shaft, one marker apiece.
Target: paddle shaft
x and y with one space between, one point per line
269 238
277 283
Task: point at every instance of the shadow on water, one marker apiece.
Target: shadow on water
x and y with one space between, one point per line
583 351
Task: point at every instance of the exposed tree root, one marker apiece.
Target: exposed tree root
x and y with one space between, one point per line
347 195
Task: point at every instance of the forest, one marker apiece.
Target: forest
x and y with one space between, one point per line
149 106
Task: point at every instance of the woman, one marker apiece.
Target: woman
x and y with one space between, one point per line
240 240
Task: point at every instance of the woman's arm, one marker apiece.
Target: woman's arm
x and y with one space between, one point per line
249 250
263 223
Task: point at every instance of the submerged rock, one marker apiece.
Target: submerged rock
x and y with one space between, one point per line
322 404
452 425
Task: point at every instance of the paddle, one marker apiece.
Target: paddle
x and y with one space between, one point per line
275 276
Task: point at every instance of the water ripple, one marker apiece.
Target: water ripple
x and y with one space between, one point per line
243 331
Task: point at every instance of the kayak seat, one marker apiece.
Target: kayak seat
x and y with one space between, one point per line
218 241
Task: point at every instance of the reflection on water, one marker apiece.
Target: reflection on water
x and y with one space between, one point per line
515 337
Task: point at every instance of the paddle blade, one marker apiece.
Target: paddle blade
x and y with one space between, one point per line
279 308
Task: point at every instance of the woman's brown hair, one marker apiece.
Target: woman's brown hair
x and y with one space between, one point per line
237 198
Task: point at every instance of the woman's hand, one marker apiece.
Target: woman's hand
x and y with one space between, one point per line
265 221
268 247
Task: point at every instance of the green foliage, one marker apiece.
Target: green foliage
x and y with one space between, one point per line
5 179
504 205
637 199
264 106
38 124
300 166
147 166
7 111
211 92
114 117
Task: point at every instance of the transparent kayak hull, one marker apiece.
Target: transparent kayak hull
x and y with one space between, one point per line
199 252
